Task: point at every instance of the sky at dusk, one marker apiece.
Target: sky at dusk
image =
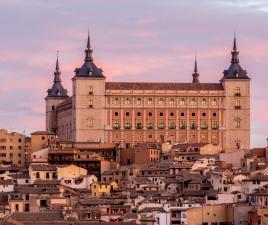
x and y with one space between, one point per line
133 40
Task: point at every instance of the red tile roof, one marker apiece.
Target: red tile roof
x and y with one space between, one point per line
162 86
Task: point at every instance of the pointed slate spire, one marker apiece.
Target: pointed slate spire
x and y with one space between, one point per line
235 52
57 90
235 71
88 50
57 72
195 73
89 69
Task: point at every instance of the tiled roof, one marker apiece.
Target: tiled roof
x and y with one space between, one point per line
43 167
38 216
162 86
6 182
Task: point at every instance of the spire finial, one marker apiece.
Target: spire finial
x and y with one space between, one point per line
57 70
235 52
195 73
88 50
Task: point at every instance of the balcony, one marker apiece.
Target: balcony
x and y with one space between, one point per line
116 127
204 127
139 126
215 127
127 127
193 127
237 94
172 127
161 127
183 127
237 107
150 127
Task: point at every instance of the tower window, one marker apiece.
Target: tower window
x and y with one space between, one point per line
214 114
90 90
53 108
90 122
193 114
237 104
237 91
138 113
150 114
182 114
90 103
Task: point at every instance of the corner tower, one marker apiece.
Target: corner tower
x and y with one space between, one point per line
236 85
88 100
55 95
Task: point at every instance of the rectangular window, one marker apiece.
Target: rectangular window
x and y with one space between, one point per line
90 90
193 124
90 104
116 124
161 124
138 102
171 124
182 124
127 101
138 124
127 124
237 91
182 101
203 125
150 101
237 104
214 125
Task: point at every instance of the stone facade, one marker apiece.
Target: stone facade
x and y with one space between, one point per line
12 148
130 113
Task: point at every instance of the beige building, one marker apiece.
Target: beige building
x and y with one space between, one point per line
129 113
210 215
12 148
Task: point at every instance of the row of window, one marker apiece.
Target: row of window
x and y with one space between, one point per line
10 147
161 101
2 140
171 124
182 114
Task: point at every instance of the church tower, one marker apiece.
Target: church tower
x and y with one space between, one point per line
88 100
55 95
236 85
